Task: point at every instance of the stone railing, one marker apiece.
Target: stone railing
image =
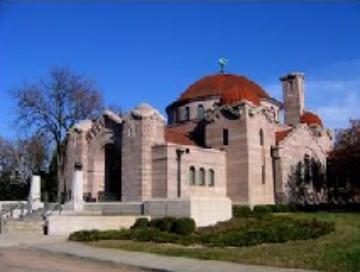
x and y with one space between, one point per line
10 210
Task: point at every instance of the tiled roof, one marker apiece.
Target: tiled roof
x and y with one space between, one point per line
179 135
310 118
281 134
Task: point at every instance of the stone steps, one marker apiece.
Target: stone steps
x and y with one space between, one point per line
24 226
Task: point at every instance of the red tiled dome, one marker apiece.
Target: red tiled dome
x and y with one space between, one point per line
236 94
215 85
310 118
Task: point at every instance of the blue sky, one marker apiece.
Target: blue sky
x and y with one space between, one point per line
152 51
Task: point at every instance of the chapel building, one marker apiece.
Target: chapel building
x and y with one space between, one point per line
223 138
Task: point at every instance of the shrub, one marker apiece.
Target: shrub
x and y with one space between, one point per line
154 223
85 235
242 211
273 207
269 230
282 208
163 224
184 226
122 234
262 210
141 223
236 232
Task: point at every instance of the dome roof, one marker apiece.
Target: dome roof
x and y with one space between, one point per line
236 94
215 85
310 118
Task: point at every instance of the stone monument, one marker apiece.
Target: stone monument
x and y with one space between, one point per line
35 193
77 202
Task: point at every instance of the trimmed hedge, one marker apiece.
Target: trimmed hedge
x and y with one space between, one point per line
141 223
140 234
85 235
163 224
266 230
282 208
236 232
181 226
184 226
242 211
262 210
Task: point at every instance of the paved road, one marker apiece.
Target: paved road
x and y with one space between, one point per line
59 245
28 260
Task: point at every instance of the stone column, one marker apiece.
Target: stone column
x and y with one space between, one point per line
35 193
77 188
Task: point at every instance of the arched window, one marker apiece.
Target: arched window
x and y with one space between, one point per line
173 117
202 176
263 174
307 169
187 113
261 136
225 136
200 112
192 175
211 177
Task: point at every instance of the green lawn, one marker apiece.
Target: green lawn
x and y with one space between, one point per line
338 251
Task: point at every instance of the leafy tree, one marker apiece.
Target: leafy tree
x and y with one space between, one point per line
52 105
344 162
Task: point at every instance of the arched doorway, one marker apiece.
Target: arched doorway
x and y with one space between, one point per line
112 175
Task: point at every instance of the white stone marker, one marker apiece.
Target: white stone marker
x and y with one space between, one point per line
77 189
35 193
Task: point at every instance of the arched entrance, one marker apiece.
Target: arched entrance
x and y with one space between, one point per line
112 177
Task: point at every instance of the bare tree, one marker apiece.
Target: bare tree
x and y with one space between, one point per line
19 159
54 104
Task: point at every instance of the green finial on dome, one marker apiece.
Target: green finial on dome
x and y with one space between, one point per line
222 62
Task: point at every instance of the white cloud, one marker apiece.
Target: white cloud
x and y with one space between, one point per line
336 112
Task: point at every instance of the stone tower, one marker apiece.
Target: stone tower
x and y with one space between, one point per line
293 93
143 128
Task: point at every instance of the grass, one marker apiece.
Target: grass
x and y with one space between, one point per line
338 251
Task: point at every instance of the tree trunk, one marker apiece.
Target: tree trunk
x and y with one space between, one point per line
60 180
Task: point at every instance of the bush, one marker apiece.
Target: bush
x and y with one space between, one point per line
236 232
262 210
122 234
273 207
184 226
85 235
268 230
282 208
163 224
141 223
242 211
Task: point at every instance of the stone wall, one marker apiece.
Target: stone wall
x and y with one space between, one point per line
207 103
204 210
292 150
261 181
76 151
143 128
66 224
237 151
165 165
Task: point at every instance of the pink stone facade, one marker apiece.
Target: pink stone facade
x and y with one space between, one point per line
241 151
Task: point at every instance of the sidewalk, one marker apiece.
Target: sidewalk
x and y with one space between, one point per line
59 245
